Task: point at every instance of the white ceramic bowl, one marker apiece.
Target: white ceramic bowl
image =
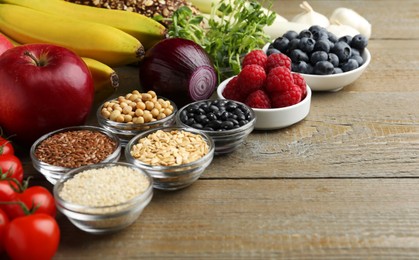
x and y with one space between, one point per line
335 82
276 118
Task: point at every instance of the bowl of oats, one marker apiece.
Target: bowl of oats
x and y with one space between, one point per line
174 156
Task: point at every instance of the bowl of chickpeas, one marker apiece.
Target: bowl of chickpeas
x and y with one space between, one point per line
127 116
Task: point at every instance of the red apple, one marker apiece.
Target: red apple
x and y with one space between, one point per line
43 87
5 44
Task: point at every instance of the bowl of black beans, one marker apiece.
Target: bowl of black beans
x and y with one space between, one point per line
326 62
227 122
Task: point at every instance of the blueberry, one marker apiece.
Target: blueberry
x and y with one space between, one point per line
323 68
358 59
297 55
318 32
359 42
351 64
332 37
307 44
294 43
305 33
342 50
272 51
318 56
355 51
281 44
346 38
302 67
337 70
333 58
290 35
322 45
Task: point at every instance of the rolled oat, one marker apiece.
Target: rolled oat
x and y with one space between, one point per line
170 148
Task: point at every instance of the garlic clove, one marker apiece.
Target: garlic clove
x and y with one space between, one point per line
310 17
349 17
340 30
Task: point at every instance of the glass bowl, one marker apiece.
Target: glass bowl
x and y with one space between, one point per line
277 118
126 131
96 201
225 140
93 146
172 177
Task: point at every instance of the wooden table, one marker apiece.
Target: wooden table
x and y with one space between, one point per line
343 183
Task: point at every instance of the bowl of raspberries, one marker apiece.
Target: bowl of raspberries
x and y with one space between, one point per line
326 62
278 96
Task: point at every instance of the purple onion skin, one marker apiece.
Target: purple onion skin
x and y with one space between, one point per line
178 69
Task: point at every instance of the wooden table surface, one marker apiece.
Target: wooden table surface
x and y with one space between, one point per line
343 183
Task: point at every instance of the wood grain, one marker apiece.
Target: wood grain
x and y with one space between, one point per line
254 219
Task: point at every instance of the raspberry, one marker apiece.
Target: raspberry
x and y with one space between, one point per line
231 91
287 98
279 79
251 78
257 57
258 99
278 60
301 83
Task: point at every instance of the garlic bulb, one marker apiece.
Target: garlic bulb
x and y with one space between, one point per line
310 17
349 17
340 30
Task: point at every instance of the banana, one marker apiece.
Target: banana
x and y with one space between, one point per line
106 80
145 29
94 40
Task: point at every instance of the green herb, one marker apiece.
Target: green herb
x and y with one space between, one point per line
234 28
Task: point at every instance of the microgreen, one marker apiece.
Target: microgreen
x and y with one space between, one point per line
234 28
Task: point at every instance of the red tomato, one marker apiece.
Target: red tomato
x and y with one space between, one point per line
11 166
39 197
36 236
6 147
8 194
4 221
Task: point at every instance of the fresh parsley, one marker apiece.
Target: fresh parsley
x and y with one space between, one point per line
233 28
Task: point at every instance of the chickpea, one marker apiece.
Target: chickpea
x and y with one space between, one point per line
139 112
127 109
120 119
147 116
114 115
149 105
155 112
141 105
147 97
105 113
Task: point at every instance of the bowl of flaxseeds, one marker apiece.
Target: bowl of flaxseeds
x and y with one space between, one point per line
60 151
105 197
133 113
174 156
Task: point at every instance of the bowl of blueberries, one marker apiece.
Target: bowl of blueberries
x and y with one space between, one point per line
227 122
326 62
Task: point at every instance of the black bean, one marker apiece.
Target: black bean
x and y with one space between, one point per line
216 115
197 126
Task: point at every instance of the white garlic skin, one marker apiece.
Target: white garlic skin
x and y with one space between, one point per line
310 17
278 28
342 30
349 17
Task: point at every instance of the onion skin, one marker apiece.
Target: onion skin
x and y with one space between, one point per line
178 69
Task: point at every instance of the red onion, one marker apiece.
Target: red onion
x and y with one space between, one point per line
178 69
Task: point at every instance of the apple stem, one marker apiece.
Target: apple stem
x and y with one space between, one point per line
37 62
